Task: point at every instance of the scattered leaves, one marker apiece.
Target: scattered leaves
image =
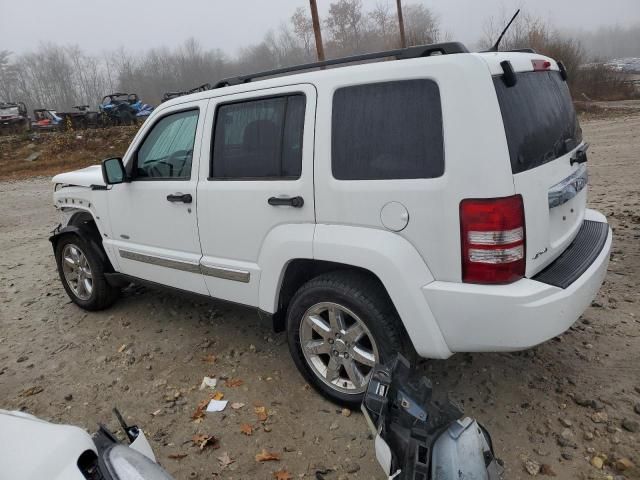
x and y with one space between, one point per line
202 441
282 475
211 358
32 391
265 456
177 456
237 405
246 429
225 460
261 412
233 382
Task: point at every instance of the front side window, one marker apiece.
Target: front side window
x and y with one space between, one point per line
259 139
390 130
167 151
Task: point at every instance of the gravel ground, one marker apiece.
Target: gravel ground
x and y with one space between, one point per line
554 407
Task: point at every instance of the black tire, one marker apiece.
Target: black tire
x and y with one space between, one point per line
102 294
360 294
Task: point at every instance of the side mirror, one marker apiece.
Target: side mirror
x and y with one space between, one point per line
113 171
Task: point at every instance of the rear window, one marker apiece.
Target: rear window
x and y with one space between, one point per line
539 119
390 130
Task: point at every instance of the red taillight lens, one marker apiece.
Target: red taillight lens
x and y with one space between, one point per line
493 240
541 65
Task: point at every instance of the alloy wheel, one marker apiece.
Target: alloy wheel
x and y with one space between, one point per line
77 271
338 347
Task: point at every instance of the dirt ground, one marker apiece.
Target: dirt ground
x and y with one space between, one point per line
559 404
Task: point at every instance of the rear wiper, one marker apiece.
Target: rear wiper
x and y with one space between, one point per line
580 155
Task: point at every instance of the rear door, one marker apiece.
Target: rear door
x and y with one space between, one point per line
257 177
543 134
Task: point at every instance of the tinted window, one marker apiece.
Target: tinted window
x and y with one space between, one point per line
167 150
539 119
387 131
259 139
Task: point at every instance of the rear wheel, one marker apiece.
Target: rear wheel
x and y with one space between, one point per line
82 274
339 325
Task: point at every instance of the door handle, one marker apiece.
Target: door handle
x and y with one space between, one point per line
296 202
180 197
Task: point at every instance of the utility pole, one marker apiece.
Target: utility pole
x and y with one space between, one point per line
316 30
403 38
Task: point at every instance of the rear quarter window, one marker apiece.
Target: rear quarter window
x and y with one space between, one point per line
390 130
539 119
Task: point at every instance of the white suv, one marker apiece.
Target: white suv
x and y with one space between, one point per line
433 204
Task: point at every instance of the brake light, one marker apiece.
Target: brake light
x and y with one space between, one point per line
492 239
541 65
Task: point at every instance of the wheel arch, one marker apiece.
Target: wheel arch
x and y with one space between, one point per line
385 256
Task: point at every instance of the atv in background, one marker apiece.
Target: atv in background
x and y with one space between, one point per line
13 118
45 120
122 109
169 95
80 119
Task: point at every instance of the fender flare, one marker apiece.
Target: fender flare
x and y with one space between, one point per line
88 235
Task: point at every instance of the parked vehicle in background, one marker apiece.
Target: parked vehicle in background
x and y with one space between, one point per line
80 118
433 204
14 118
46 120
123 109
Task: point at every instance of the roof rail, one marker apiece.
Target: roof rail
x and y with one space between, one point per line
418 51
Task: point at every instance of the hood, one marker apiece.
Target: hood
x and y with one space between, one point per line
83 178
35 449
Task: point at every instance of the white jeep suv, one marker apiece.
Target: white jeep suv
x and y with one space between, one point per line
433 204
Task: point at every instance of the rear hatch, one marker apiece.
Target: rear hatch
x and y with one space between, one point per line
543 136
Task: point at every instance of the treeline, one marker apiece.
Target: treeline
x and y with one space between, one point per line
60 77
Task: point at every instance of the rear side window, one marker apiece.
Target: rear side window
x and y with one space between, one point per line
390 130
259 139
539 119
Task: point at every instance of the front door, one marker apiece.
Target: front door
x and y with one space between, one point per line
257 184
153 217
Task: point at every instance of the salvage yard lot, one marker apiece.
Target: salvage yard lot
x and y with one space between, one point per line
559 404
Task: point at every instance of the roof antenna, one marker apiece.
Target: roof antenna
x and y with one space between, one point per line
495 46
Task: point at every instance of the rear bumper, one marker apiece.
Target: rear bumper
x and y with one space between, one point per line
476 318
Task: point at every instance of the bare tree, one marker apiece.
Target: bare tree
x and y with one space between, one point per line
303 29
345 24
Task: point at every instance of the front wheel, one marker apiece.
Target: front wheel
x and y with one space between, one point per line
339 325
82 274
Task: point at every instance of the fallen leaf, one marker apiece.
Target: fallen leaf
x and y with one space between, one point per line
202 441
346 412
177 456
217 396
233 382
265 456
211 358
31 391
246 429
122 348
199 413
237 405
261 412
157 412
225 460
282 475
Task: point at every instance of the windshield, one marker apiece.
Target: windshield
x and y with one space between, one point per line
6 111
539 119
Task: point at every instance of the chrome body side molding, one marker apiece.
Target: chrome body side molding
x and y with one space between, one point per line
218 272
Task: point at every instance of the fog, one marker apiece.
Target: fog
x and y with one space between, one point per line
229 25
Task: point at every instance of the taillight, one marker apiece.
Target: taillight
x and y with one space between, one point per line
541 65
493 240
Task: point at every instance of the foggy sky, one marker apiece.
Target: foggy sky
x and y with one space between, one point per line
138 25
